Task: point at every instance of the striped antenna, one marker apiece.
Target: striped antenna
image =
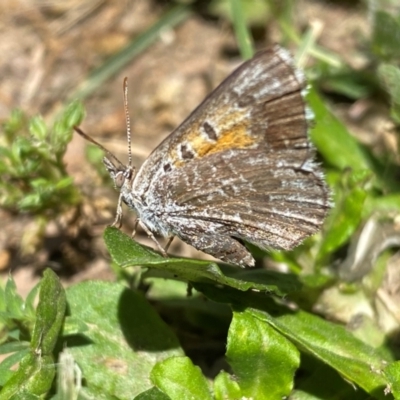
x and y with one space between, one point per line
128 122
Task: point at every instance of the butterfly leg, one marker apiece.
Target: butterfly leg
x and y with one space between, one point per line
153 238
118 217
168 243
222 247
136 223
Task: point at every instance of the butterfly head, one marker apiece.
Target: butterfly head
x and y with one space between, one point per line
121 175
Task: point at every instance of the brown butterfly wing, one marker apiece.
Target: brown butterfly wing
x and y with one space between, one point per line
252 195
241 166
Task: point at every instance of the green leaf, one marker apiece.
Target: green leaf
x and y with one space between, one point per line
392 372
264 361
34 378
13 124
124 340
332 138
226 387
152 394
36 370
30 306
63 127
30 201
14 302
347 215
64 183
180 379
15 155
12 347
330 343
37 128
6 366
73 115
49 314
126 252
333 345
40 184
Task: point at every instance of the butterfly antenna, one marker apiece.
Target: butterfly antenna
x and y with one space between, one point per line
128 122
91 140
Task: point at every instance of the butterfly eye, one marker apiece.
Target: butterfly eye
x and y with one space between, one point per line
119 179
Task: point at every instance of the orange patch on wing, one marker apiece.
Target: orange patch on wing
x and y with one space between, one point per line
236 137
233 133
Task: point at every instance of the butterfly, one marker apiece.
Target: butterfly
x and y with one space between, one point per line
239 169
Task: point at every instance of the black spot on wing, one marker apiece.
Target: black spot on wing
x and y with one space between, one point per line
167 167
186 153
210 131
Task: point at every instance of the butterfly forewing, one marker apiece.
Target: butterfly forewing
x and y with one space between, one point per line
237 114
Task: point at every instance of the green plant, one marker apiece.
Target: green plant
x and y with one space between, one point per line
34 179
